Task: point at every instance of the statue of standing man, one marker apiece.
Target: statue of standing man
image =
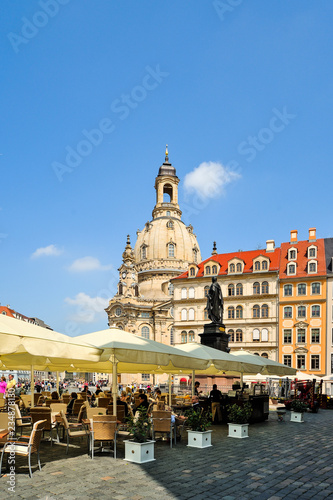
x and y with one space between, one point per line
215 302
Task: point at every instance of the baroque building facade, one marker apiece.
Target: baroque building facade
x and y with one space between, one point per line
164 248
249 283
303 300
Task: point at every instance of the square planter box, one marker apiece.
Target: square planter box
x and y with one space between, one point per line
139 453
295 416
239 431
197 439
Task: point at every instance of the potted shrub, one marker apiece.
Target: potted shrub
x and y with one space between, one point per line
297 411
139 449
197 435
239 417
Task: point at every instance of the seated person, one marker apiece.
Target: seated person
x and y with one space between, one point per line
195 403
55 395
71 403
143 403
86 391
158 395
123 403
98 390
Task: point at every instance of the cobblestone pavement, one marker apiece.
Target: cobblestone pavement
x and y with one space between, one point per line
280 460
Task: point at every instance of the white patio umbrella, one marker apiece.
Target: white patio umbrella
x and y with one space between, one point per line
267 366
28 347
124 352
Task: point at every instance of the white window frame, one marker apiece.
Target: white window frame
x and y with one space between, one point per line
292 263
303 367
289 252
316 316
311 248
284 315
316 283
256 335
264 335
184 293
191 293
191 314
283 334
288 284
316 266
301 294
183 314
312 356
315 343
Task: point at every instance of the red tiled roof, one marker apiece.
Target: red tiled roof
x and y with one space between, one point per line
246 257
302 258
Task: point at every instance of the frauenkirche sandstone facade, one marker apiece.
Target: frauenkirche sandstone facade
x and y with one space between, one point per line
164 249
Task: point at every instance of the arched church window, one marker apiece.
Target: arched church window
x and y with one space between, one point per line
171 250
145 332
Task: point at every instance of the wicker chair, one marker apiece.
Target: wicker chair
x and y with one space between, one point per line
70 432
43 413
21 422
26 449
104 428
163 425
120 412
26 402
92 412
103 402
66 398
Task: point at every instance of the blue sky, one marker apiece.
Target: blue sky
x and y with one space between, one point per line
90 94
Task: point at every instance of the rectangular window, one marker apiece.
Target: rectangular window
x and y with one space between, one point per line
315 361
331 363
145 376
287 312
301 362
287 359
315 336
287 336
144 315
301 336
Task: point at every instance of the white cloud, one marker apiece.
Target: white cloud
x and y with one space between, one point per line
88 264
51 250
209 179
88 308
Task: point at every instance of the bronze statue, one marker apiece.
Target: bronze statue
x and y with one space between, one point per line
215 302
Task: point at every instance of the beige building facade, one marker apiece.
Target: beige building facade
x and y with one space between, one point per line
249 283
164 249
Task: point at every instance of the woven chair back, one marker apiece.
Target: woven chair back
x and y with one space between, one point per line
41 414
105 427
36 435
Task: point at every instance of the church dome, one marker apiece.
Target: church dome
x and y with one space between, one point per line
166 243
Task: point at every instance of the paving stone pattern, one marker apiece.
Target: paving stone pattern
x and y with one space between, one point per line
280 460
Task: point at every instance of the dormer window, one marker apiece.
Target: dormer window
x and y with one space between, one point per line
257 266
207 270
214 270
291 269
292 254
312 266
312 252
192 271
239 267
264 265
231 268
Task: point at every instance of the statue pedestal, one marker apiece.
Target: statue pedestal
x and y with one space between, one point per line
214 336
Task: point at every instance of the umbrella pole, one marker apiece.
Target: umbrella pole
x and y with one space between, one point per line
241 380
193 381
57 382
170 388
114 384
32 385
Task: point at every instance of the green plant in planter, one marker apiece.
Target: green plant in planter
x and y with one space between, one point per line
239 414
198 421
298 406
139 426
